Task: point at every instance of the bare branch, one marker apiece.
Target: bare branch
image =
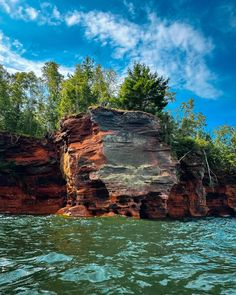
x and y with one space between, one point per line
208 169
184 156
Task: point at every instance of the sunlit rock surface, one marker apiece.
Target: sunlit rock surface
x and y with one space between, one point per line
114 162
30 178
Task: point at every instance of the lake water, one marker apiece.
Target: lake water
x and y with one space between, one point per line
54 255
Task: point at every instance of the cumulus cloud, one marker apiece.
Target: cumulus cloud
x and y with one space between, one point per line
11 56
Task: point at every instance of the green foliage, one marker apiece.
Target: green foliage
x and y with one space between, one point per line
31 105
225 146
19 103
144 90
53 80
5 104
169 127
190 123
89 85
76 94
187 134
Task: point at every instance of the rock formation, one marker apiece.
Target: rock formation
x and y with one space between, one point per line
115 163
30 177
106 162
197 194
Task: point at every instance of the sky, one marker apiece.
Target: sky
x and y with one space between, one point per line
191 42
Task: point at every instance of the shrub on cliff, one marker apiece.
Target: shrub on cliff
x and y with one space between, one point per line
186 134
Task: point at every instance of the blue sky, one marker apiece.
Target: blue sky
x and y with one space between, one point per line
191 42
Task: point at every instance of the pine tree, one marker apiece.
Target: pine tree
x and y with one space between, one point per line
144 90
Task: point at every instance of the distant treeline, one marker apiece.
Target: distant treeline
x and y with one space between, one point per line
32 105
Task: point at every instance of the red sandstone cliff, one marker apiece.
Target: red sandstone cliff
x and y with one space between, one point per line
30 177
195 196
115 163
112 162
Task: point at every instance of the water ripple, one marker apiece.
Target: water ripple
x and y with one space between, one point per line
52 255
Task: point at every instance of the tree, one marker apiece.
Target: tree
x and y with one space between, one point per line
53 80
32 115
191 124
76 93
100 87
90 84
104 85
144 90
18 97
4 98
225 145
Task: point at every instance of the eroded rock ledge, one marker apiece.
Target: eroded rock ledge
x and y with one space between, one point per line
111 162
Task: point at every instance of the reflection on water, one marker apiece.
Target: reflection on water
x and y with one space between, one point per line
53 255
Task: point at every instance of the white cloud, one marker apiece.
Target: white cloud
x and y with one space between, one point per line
32 13
5 6
11 58
173 49
106 28
46 14
130 6
226 17
73 18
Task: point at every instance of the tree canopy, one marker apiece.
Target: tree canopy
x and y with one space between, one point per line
33 105
144 90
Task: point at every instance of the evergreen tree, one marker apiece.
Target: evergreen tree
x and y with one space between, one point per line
144 90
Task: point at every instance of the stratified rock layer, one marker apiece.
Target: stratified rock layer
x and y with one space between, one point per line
30 177
200 192
108 162
115 163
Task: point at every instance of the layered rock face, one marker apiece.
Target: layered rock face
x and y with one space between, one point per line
30 177
115 163
108 162
200 192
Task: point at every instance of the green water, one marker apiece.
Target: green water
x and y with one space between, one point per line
53 255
